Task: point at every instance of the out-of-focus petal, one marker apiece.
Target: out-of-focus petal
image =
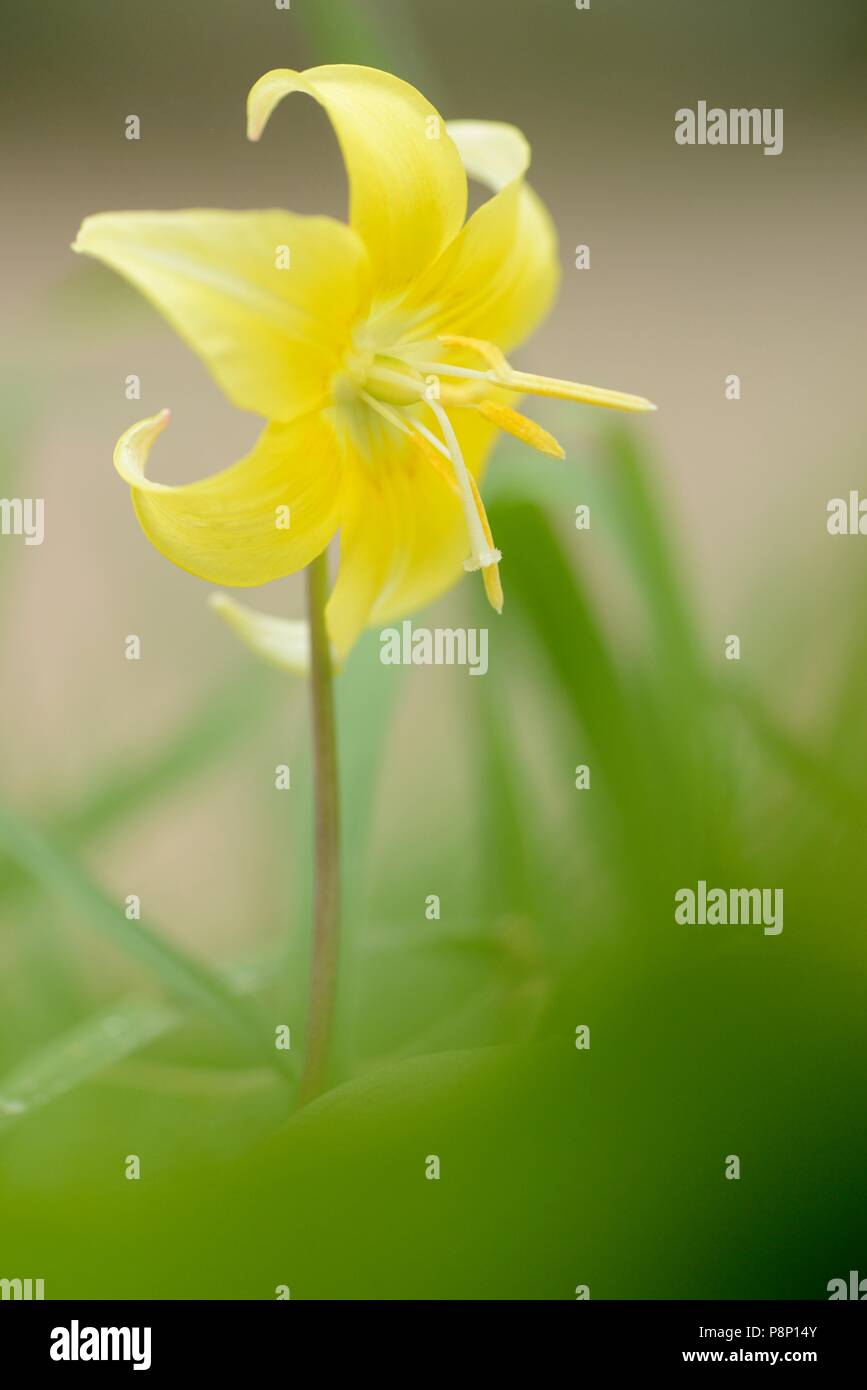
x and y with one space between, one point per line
499 277
284 642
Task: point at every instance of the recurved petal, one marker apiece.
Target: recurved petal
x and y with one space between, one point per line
501 273
407 186
267 299
264 517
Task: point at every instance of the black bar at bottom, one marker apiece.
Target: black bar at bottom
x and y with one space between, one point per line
156 1337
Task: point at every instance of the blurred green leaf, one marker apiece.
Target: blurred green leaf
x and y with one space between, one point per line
507 856
641 533
367 696
76 1056
104 1039
817 775
645 747
410 1086
608 468
561 621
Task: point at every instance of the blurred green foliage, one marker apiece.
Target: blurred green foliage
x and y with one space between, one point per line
456 1037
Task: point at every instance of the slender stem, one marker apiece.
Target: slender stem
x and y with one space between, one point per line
326 903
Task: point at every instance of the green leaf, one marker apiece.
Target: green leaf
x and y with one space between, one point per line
75 1057
817 776
105 1039
650 807
401 1092
641 534
507 849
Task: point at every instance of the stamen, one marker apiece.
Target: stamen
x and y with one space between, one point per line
484 553
491 574
461 481
437 456
495 359
446 369
439 446
390 415
433 449
514 423
502 374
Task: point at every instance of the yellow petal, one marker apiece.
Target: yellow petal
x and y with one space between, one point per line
499 277
267 299
436 529
407 187
404 537
231 528
438 462
283 642
370 540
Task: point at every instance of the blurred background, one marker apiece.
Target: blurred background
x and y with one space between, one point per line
156 777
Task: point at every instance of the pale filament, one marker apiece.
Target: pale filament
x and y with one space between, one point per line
482 555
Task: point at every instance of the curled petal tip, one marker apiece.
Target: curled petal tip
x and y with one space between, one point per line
133 448
266 93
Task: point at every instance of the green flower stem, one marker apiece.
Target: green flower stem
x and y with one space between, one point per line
326 902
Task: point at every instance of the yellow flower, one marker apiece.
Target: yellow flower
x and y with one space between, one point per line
374 350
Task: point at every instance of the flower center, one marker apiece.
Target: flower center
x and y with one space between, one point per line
398 390
393 381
